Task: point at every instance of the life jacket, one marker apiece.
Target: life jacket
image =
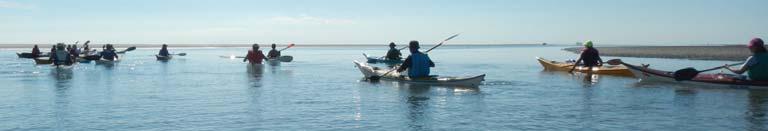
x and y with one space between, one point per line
62 57
255 57
759 71
419 65
108 54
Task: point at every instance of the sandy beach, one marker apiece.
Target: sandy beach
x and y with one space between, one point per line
729 53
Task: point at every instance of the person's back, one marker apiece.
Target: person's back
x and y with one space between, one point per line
273 53
109 53
590 56
60 56
164 51
35 51
254 56
393 53
417 63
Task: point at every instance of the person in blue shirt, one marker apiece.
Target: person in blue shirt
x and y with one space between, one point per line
109 53
417 63
164 51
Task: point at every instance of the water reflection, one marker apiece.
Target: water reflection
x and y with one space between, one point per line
416 98
62 83
755 115
255 70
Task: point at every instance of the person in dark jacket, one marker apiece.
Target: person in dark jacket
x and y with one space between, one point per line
589 57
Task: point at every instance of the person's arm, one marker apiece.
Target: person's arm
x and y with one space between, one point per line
744 67
576 63
246 56
262 56
405 65
431 64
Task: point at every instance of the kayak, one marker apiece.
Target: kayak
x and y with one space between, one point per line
369 71
644 73
64 67
373 59
90 57
42 60
566 66
107 62
29 55
163 58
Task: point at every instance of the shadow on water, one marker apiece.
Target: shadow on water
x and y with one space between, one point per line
755 115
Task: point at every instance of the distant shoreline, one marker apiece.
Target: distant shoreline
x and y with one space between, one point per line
726 53
247 45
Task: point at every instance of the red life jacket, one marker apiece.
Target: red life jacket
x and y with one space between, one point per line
255 57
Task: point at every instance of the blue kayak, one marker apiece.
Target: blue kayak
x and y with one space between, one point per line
372 59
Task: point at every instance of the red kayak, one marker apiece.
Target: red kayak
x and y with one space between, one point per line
645 73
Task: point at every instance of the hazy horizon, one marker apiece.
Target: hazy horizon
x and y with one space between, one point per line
606 22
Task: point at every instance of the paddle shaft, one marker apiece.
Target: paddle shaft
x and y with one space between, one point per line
289 46
715 68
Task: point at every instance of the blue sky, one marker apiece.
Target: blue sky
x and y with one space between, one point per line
617 22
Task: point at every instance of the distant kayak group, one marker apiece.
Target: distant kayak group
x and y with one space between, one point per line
589 62
63 55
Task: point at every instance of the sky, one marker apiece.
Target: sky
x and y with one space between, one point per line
611 22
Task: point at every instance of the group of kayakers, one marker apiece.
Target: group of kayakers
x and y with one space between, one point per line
255 56
756 65
63 54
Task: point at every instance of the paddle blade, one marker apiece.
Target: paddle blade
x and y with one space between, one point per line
86 42
131 48
182 54
291 45
685 74
614 62
286 58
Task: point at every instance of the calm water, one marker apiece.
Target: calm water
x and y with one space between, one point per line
322 90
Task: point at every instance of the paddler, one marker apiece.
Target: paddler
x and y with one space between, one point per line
109 53
255 56
417 63
61 56
164 51
74 52
35 52
756 65
393 53
273 54
590 57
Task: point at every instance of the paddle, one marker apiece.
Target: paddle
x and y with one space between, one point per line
689 73
289 46
376 77
127 50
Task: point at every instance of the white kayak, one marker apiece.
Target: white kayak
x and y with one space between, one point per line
107 62
369 71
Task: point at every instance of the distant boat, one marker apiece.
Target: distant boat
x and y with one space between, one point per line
545 43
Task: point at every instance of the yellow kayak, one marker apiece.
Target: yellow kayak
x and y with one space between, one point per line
605 69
